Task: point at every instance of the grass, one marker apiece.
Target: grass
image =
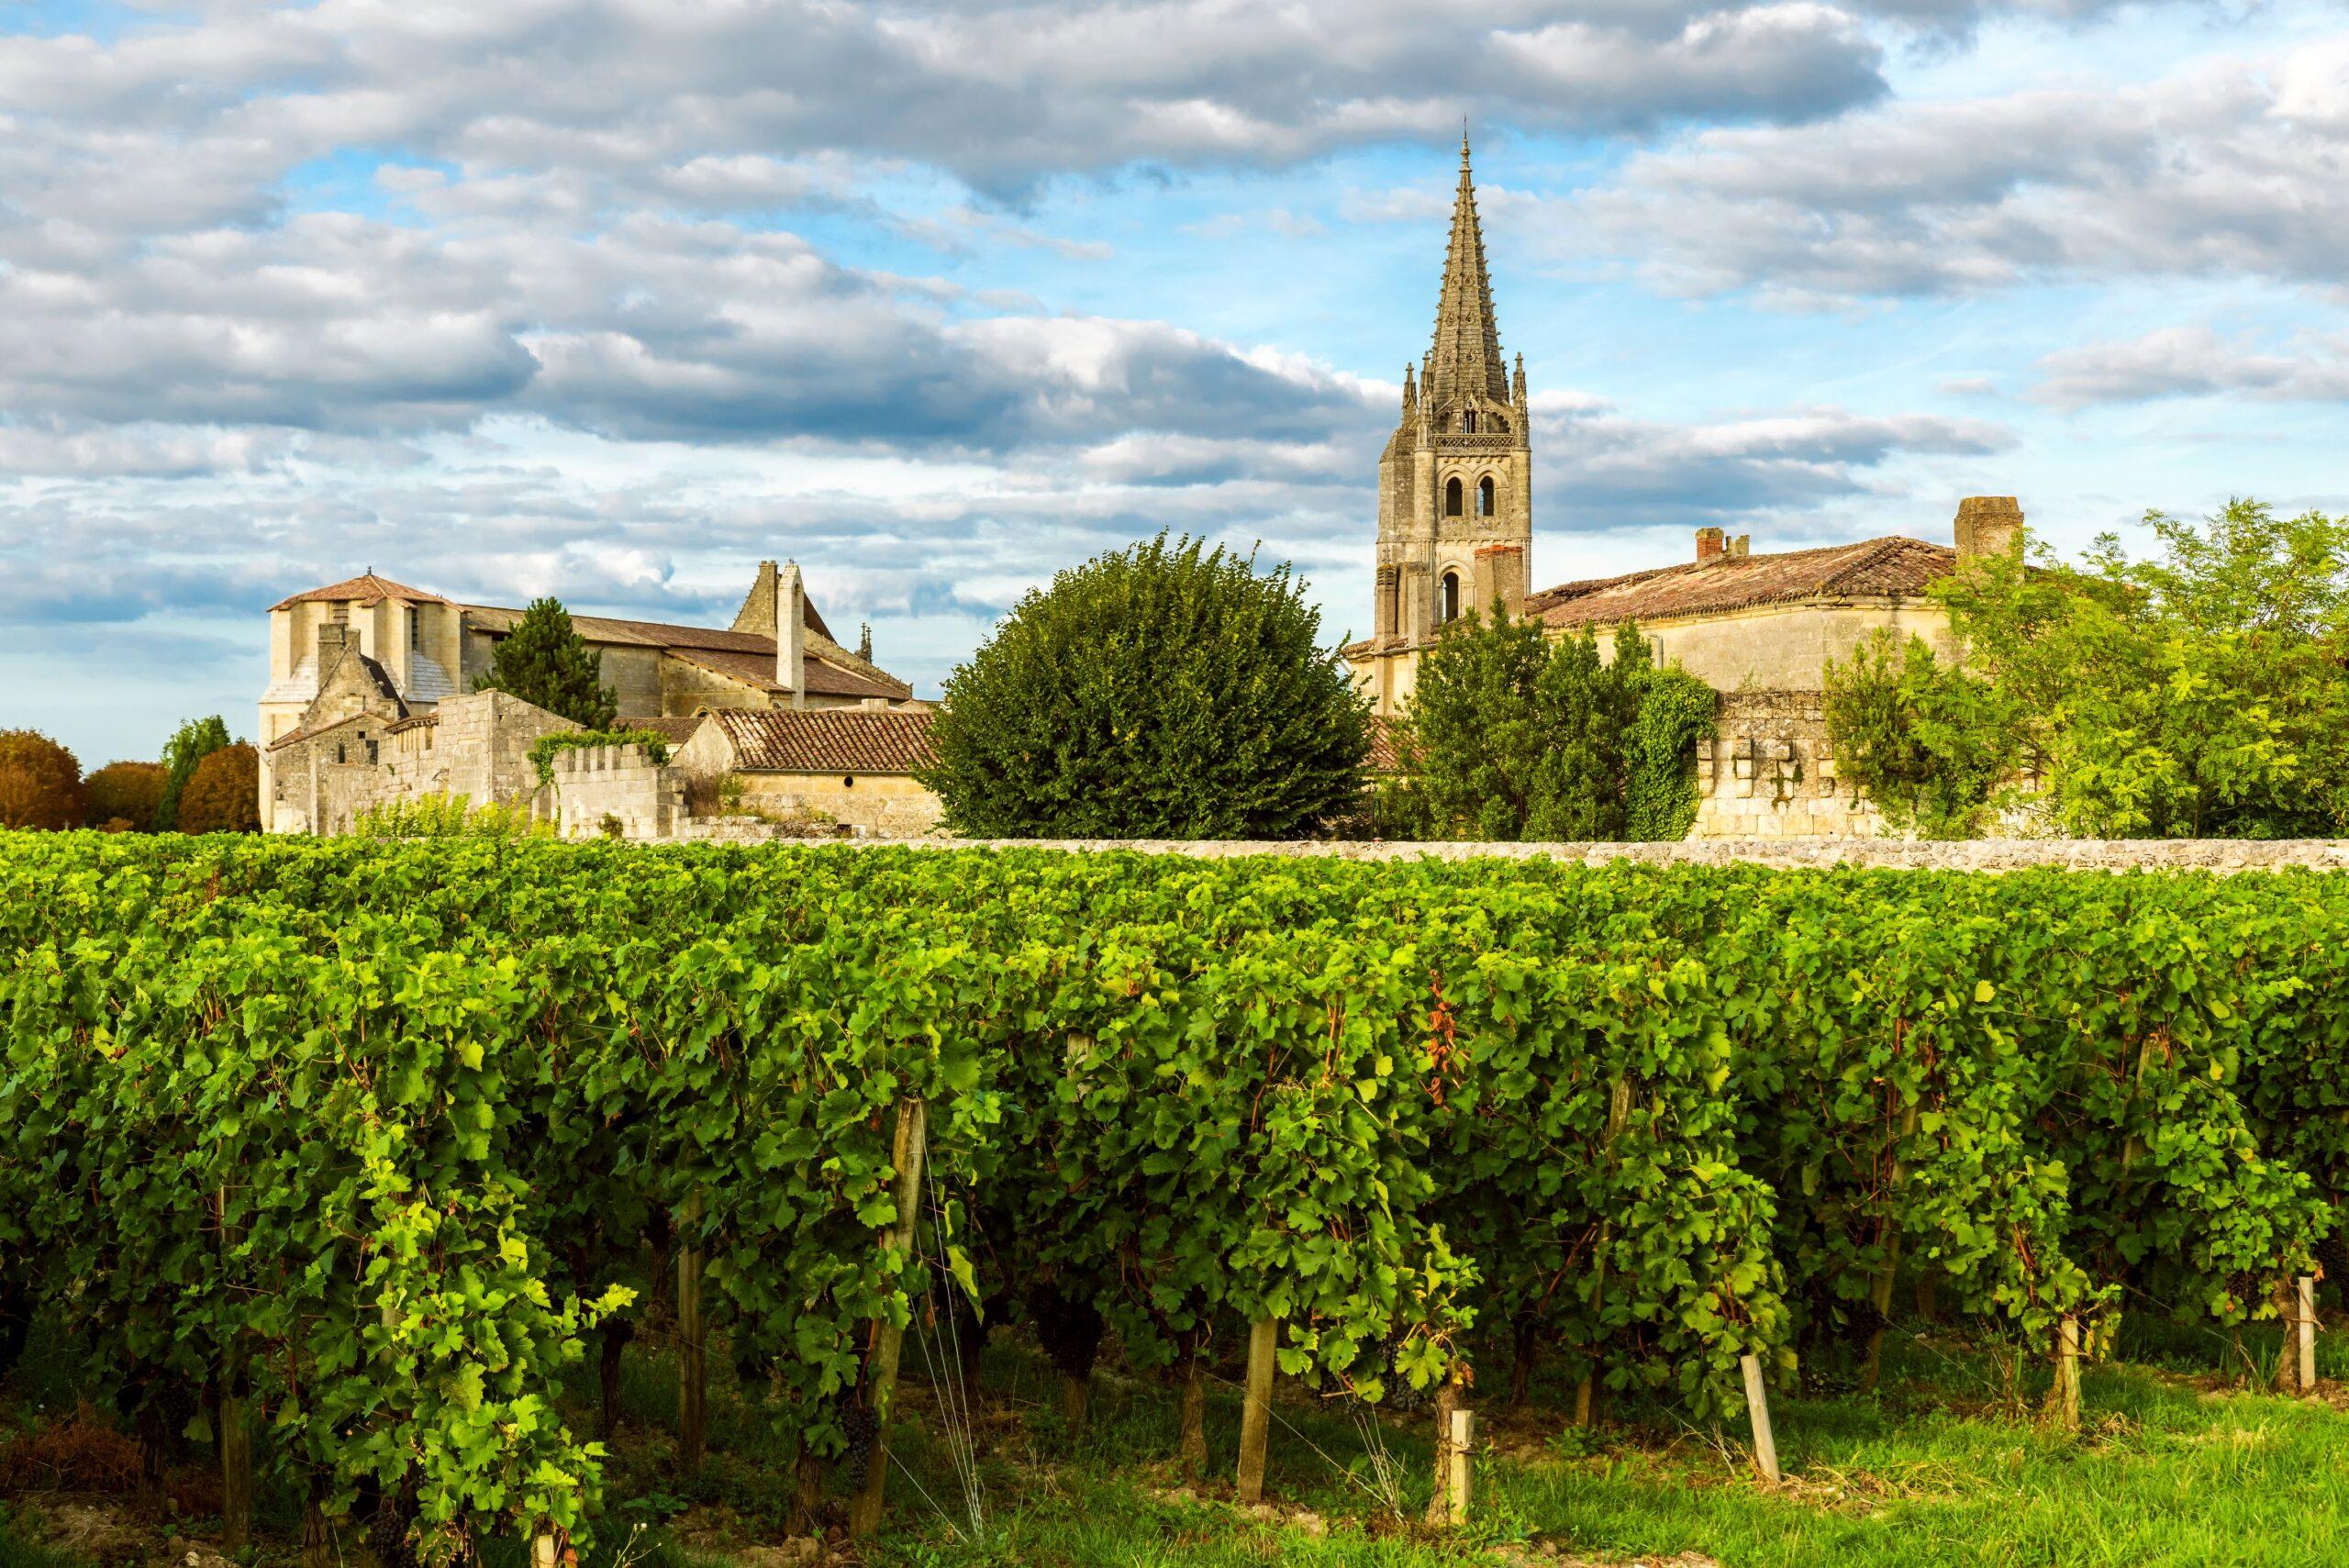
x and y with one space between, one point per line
2185 1461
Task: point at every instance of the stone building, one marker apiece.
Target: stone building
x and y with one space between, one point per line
373 655
1455 533
854 767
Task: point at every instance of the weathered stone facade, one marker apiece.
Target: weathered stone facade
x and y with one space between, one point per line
474 748
1769 772
616 792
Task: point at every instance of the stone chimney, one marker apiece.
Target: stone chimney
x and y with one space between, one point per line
1988 525
791 634
333 637
1497 575
1741 546
1711 545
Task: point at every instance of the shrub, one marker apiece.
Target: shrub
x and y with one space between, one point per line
132 792
224 797
449 817
1162 691
40 783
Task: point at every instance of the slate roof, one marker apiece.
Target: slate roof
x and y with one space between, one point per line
826 740
1893 567
756 670
366 588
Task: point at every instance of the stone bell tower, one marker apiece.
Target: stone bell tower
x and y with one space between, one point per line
1455 505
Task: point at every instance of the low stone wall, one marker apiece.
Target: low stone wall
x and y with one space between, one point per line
599 788
1980 855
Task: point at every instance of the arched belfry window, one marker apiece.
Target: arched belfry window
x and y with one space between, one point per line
1468 421
1452 498
1485 494
1450 609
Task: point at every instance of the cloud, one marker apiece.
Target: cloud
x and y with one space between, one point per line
2193 361
1612 472
2232 169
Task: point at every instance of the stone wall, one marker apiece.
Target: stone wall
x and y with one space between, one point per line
2218 855
598 786
1769 772
888 805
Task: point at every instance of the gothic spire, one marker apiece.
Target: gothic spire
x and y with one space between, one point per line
1466 359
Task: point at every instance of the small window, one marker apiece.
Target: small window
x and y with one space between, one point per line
339 752
1452 498
415 628
1468 422
1450 608
1485 497
848 781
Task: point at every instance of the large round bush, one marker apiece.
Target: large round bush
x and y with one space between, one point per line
1162 691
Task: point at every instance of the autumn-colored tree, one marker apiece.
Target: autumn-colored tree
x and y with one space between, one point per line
41 781
128 793
225 795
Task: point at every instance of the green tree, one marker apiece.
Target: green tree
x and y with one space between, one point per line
190 744
1160 691
544 661
2198 693
41 781
1511 736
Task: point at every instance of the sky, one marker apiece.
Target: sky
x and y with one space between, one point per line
610 299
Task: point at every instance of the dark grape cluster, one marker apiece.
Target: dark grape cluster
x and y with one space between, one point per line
1068 1329
862 1430
387 1532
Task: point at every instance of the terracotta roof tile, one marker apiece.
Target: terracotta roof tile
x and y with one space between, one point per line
367 589
1891 567
1384 758
827 740
674 728
756 670
497 621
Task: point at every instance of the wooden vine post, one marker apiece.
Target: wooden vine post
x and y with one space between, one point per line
692 1388
1880 1292
1757 1410
2307 1335
236 1459
1618 1111
1450 1404
881 1383
1464 1442
236 1436
543 1554
1256 1407
2063 1399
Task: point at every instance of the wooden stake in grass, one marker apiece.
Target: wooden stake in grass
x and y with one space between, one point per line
2305 1321
1256 1407
692 1388
542 1551
906 1153
1450 1396
2063 1399
1757 1406
1463 1434
1194 1411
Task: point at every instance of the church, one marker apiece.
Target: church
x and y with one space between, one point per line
1455 533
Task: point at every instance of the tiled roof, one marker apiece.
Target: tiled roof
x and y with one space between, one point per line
497 621
310 732
1892 567
756 670
1384 758
366 588
826 740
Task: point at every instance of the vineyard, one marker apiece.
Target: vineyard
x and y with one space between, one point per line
346 1155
